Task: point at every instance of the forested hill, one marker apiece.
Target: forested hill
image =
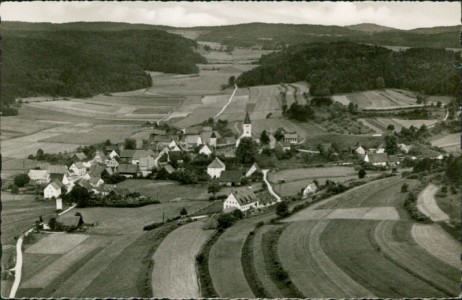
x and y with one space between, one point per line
346 67
82 63
272 36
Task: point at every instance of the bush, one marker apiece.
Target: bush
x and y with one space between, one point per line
361 173
282 209
21 180
152 226
404 188
260 224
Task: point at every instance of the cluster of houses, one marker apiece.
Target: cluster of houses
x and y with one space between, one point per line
377 156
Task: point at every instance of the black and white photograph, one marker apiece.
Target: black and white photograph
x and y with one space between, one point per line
229 149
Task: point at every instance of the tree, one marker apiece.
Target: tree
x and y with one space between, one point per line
108 143
391 147
391 127
246 151
183 212
282 209
380 83
361 173
264 138
404 188
279 134
213 189
21 180
130 144
79 195
231 81
14 189
40 154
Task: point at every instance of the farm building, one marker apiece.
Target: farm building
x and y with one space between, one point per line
128 170
205 150
210 137
39 176
191 141
147 164
226 142
226 151
376 159
253 168
78 168
266 200
133 156
193 130
56 171
310 189
96 170
241 198
70 223
393 160
79 156
291 137
230 178
215 168
99 157
53 189
360 150
283 146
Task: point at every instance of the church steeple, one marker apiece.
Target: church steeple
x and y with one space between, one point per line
247 118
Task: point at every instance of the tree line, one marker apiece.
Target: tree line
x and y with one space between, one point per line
344 67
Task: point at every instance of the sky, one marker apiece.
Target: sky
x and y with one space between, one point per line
402 15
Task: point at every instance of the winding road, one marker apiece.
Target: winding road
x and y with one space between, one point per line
227 103
270 188
426 203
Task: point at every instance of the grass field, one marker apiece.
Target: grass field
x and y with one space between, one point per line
310 173
450 142
343 240
350 140
379 99
174 273
116 232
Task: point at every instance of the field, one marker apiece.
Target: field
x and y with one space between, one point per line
450 142
165 191
426 203
111 242
379 99
174 273
350 140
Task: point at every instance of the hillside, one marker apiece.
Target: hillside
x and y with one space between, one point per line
369 27
80 61
272 36
346 67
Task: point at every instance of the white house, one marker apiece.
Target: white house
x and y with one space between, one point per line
78 168
52 190
205 150
360 150
174 146
39 176
112 163
252 170
376 159
240 198
192 140
113 154
310 189
215 168
99 157
291 137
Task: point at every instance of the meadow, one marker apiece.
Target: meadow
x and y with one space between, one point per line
379 99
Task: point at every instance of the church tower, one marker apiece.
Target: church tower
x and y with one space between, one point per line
247 127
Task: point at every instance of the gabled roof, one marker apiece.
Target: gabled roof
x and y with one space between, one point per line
205 147
96 170
393 158
147 162
80 156
69 221
128 169
247 118
213 135
79 165
39 174
230 176
216 164
244 195
378 157
207 128
56 169
55 185
94 180
207 135
85 184
226 141
293 135
135 154
191 139
127 153
169 168
100 154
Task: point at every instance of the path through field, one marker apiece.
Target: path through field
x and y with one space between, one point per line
174 272
270 188
426 203
227 103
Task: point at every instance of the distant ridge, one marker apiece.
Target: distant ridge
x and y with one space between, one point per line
370 27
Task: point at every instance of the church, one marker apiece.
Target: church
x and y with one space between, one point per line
246 129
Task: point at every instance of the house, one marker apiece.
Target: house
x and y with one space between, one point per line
253 168
79 156
380 149
85 184
393 160
360 150
376 159
70 223
133 156
56 171
96 181
78 168
210 138
99 157
291 137
226 142
193 130
191 141
113 154
240 198
112 162
266 200
161 141
174 146
215 168
96 170
230 178
53 189
39 176
310 189
283 146
176 156
226 151
147 164
205 150
169 168
128 170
